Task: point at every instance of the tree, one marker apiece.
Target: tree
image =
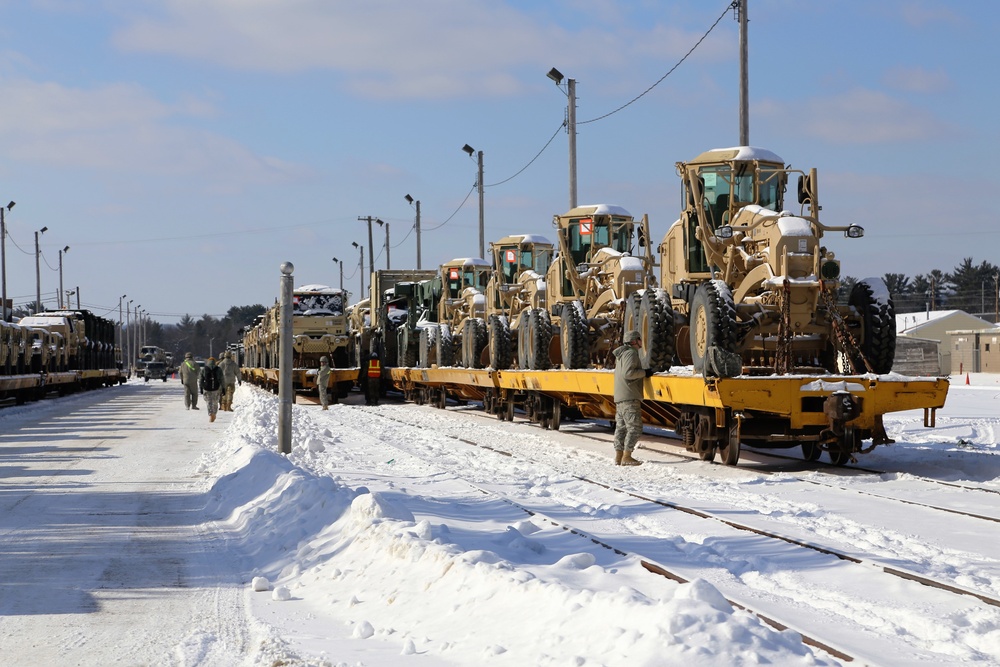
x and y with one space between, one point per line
968 283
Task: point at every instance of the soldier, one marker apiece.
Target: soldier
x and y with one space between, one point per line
374 385
323 381
189 378
211 383
230 376
629 374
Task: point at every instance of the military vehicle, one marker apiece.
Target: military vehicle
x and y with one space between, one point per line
754 286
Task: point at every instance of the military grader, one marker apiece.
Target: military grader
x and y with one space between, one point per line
752 286
456 295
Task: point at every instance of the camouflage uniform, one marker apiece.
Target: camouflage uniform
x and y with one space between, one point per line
323 381
230 376
211 383
189 378
628 398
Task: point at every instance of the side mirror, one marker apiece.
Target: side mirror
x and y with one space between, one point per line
804 190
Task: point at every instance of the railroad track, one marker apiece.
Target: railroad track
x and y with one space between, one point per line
815 638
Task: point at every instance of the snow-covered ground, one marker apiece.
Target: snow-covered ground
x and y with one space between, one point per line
133 531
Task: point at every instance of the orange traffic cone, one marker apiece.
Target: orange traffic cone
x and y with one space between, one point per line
966 378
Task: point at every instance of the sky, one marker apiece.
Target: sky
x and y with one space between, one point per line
184 150
407 535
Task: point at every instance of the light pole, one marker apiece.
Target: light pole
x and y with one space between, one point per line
38 273
570 93
479 184
121 332
413 202
341 273
3 257
371 247
69 301
128 337
61 252
135 334
361 248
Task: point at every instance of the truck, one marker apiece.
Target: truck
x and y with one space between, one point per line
392 332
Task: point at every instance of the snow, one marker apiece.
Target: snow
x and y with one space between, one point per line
605 209
385 538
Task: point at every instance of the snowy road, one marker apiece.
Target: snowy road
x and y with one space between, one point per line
398 535
106 554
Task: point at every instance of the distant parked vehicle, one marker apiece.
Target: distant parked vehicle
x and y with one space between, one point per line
155 370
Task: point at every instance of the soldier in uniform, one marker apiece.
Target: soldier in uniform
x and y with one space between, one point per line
211 383
374 385
189 378
629 374
323 381
230 376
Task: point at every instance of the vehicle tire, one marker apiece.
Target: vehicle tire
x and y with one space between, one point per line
390 346
649 312
877 340
445 347
713 322
573 335
499 341
428 346
533 338
473 342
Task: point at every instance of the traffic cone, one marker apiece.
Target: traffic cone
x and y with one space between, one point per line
966 378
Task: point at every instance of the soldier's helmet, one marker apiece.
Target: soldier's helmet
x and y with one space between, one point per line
188 355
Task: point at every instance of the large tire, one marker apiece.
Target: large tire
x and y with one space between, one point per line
428 346
877 341
473 342
573 334
649 312
445 347
533 336
713 322
499 341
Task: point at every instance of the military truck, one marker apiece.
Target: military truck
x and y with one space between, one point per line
392 332
155 370
753 286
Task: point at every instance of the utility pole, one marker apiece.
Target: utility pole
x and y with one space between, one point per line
416 203
38 273
387 265
3 258
744 77
371 248
570 92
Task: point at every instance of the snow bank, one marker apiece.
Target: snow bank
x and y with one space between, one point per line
438 568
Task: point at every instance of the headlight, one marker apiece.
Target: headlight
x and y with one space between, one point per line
830 270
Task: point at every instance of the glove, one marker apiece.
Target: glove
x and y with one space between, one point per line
649 372
201 391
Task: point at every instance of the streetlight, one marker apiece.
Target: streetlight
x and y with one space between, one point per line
479 184
412 201
3 257
341 273
38 273
121 333
68 305
570 93
371 248
361 248
128 338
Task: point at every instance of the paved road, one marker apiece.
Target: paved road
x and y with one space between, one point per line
105 553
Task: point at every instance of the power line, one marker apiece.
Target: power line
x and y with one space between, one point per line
732 5
554 134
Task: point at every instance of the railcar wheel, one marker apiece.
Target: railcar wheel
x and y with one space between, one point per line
713 322
707 455
730 451
811 451
509 409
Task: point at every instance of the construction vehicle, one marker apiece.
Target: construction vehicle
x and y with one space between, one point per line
753 287
590 286
393 332
455 295
515 317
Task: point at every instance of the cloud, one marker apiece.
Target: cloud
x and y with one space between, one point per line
858 116
121 128
384 50
918 15
917 80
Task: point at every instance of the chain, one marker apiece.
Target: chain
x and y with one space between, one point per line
844 337
783 346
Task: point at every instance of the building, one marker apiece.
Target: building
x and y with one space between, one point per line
927 337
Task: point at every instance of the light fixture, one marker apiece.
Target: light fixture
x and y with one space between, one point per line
555 75
468 149
43 230
409 199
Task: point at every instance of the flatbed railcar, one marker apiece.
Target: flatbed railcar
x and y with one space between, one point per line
35 386
831 413
303 380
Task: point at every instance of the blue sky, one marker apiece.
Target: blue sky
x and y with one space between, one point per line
184 149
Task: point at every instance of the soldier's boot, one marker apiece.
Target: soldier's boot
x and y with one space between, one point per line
618 457
211 418
326 407
627 459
